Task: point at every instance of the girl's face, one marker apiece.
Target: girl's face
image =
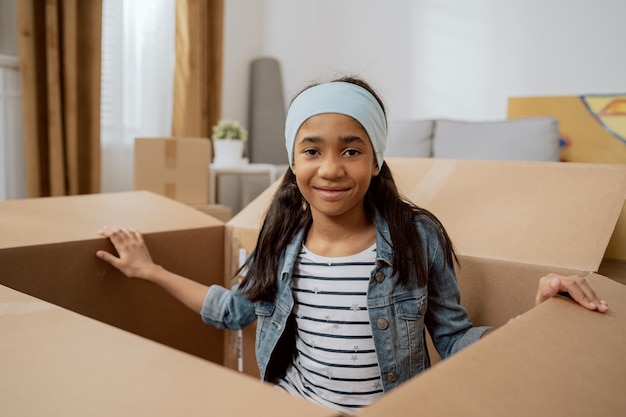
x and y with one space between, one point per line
333 163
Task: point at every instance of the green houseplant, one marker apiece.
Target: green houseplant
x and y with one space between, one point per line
228 138
229 129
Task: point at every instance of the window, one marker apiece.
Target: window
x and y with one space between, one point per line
138 57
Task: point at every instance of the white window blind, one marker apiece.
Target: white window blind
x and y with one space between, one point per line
138 56
12 171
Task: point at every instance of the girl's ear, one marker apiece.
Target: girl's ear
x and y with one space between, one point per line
376 169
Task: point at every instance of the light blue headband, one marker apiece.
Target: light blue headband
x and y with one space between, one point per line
343 98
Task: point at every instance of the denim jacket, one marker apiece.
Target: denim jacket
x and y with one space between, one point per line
399 315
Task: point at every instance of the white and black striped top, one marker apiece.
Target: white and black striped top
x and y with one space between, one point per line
335 363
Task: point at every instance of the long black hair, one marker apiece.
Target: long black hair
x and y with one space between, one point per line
289 212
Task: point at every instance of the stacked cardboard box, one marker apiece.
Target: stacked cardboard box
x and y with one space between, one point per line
177 168
219 211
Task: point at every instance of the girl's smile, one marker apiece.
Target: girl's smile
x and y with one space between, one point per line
331 193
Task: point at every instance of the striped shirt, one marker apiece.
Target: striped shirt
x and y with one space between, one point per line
335 362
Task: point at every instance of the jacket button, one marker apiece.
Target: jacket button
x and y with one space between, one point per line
379 276
422 309
382 324
392 376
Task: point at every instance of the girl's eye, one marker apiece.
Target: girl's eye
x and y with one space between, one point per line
310 152
352 152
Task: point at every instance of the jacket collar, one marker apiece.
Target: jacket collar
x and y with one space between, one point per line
384 250
291 253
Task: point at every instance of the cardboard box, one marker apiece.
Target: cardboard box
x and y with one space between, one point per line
177 168
57 363
48 246
219 211
511 222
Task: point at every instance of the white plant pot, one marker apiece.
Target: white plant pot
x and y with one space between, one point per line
228 152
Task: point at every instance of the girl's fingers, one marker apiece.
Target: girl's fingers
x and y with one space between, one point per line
588 295
579 290
137 237
106 256
132 255
577 287
548 288
122 238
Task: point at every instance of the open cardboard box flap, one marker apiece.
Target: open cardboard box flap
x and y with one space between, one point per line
559 215
40 221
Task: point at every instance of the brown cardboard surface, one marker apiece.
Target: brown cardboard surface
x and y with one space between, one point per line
494 291
615 270
616 251
57 363
219 211
557 359
520 211
177 168
48 246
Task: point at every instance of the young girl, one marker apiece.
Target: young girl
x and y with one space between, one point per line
346 275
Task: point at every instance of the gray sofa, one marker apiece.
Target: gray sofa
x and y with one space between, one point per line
524 139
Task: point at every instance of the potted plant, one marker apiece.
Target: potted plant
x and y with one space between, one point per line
229 137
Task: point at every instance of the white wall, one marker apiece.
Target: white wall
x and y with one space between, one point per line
432 58
427 58
243 41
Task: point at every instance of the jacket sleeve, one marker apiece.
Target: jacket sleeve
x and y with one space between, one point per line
446 320
227 308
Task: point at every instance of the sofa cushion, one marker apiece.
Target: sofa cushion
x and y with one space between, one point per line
410 138
526 139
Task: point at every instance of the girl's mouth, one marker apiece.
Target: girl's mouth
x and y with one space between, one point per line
331 194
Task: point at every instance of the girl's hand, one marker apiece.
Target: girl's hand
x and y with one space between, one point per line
577 287
133 258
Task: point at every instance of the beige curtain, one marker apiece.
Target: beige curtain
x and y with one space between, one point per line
198 74
59 49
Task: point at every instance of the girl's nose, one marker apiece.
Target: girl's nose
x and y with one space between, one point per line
331 167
